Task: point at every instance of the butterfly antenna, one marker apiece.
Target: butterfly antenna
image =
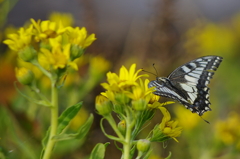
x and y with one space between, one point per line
149 72
155 69
205 120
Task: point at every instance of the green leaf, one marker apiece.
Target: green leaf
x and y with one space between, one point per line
67 116
40 102
99 151
82 131
142 118
63 122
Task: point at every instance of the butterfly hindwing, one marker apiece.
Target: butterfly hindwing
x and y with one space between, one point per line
188 83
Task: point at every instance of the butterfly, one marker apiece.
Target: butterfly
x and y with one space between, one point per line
188 83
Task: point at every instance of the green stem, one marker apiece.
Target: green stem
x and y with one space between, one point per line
139 155
127 145
128 140
35 62
54 122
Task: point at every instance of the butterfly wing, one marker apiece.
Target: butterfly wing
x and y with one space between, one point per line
192 79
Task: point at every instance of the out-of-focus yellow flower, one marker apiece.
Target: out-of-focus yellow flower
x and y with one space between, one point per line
168 126
79 119
187 120
98 65
65 18
47 29
213 38
79 37
228 131
20 40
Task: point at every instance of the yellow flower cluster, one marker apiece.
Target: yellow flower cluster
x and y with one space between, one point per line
52 44
128 86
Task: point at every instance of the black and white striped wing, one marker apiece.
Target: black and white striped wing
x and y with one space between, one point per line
192 79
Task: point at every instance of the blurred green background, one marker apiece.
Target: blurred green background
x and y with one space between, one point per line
165 32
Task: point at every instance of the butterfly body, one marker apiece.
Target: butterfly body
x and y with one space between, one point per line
188 83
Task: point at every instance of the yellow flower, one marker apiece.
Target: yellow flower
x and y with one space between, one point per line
20 40
129 77
140 91
79 37
47 29
109 94
56 58
125 80
153 98
65 18
168 126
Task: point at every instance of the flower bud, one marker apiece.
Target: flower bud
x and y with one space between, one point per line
24 76
143 145
122 127
76 52
27 54
139 104
103 105
122 98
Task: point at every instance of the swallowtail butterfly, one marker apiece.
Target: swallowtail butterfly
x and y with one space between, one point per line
188 83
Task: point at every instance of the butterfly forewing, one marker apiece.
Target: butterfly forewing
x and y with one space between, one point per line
188 83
